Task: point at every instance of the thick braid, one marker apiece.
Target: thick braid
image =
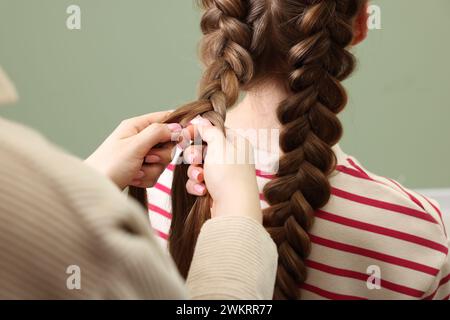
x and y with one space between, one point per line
259 19
229 66
316 34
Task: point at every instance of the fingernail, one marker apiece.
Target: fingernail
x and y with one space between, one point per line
140 175
199 188
183 141
175 127
152 159
196 174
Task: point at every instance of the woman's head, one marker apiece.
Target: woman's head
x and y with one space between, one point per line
304 45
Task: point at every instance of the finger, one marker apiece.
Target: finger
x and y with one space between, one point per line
211 134
191 131
184 140
139 175
137 124
195 188
152 174
207 131
193 154
195 173
162 155
155 134
195 125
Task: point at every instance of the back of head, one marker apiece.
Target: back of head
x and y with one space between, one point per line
303 44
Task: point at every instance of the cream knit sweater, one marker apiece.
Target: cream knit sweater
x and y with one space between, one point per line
56 213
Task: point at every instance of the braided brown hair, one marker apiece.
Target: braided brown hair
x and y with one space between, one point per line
303 43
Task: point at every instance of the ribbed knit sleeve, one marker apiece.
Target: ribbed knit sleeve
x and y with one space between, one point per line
238 256
58 217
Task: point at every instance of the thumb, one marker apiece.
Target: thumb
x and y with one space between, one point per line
215 140
154 134
209 133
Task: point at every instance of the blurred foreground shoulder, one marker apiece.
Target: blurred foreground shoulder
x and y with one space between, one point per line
57 216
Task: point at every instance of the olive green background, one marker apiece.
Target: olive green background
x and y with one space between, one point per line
136 56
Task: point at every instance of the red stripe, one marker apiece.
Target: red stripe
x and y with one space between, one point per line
444 280
360 170
354 165
328 294
365 175
160 211
265 175
434 207
382 230
171 167
383 205
441 283
431 296
447 297
351 172
374 255
364 277
161 234
162 188
438 212
414 199
360 173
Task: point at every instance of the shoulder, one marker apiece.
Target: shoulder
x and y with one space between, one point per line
380 222
358 186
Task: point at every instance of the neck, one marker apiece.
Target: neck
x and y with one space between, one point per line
258 108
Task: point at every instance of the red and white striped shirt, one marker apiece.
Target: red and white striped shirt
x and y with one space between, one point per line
374 239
